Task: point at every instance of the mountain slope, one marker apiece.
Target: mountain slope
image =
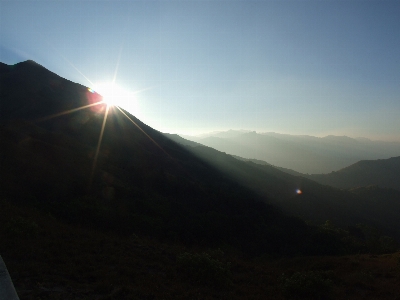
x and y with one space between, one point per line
62 261
147 220
382 172
141 181
316 203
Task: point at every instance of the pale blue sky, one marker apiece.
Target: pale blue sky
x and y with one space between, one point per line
299 67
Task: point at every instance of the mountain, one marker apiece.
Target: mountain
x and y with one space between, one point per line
261 162
382 172
181 140
303 154
137 181
316 203
220 134
143 217
142 181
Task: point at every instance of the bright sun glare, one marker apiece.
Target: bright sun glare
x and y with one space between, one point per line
114 95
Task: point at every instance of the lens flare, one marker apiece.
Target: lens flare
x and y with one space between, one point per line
299 192
114 95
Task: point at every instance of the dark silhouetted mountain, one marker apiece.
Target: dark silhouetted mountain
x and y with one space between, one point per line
382 172
142 183
146 183
304 154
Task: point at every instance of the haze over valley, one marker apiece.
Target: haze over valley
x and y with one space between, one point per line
304 154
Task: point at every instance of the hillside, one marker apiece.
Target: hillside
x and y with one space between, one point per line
316 203
145 217
382 172
359 176
139 181
49 259
303 154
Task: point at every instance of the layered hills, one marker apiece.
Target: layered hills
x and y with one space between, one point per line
382 172
301 153
317 202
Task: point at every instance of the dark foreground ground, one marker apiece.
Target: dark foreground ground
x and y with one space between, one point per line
49 259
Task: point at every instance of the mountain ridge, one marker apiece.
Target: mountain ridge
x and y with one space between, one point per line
184 185
148 183
164 220
304 154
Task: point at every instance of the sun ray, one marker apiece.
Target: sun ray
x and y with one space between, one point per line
145 133
145 89
162 149
117 65
108 105
98 147
72 65
78 71
68 111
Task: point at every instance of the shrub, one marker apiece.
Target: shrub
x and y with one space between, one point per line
204 269
310 284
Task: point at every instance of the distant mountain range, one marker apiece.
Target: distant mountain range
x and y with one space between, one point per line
301 153
162 185
384 173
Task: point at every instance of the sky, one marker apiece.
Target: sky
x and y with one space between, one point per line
298 67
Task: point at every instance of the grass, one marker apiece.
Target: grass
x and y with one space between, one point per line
55 260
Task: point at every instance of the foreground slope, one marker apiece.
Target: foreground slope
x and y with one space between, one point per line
49 259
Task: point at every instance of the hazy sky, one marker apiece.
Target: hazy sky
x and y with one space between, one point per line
300 67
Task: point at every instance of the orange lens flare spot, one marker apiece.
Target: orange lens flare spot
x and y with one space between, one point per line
299 192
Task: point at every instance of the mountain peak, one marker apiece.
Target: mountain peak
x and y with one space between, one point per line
28 64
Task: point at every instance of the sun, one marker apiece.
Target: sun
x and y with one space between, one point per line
114 95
